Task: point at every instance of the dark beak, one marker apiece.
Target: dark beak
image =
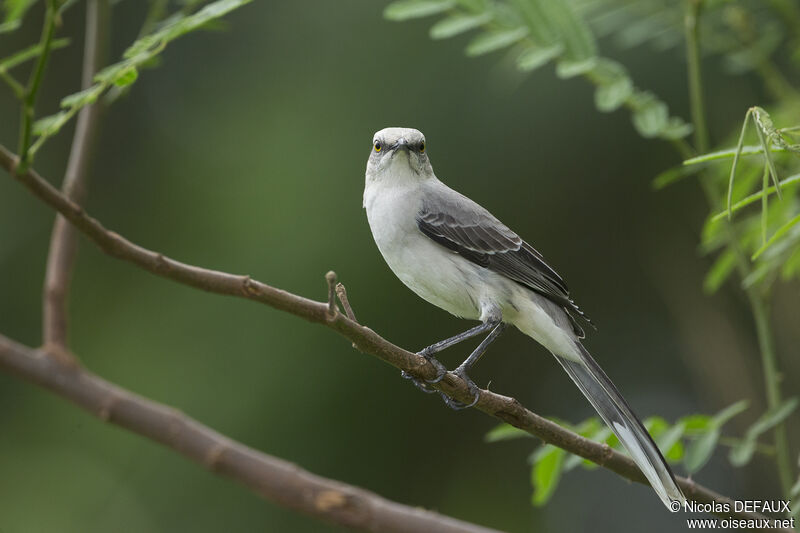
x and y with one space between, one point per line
402 144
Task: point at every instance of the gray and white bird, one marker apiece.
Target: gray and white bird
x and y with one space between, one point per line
454 254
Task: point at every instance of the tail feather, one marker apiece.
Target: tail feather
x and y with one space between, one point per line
616 412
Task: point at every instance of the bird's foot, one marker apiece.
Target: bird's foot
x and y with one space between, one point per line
474 389
425 385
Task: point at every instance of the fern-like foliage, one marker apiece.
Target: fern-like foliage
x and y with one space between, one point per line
160 29
539 32
762 218
689 443
743 33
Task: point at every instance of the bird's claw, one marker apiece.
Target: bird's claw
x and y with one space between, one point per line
441 371
425 385
418 383
474 389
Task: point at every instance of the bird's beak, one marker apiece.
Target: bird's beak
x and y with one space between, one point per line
401 144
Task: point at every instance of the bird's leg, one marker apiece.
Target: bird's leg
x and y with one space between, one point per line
428 352
462 369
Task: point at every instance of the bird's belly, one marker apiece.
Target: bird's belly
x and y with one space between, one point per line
437 275
434 273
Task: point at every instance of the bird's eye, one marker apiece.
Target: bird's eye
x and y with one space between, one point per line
422 147
378 146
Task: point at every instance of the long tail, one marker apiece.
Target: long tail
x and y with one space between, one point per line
616 412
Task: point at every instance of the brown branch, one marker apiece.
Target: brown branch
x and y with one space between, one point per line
64 239
275 479
502 407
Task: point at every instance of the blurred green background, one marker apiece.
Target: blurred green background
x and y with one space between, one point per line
245 152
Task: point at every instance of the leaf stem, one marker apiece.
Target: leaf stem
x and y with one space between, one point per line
758 304
691 18
16 87
29 100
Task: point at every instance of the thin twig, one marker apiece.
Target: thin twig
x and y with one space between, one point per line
341 292
502 407
64 239
275 479
330 277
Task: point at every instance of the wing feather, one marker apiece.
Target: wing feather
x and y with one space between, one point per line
469 230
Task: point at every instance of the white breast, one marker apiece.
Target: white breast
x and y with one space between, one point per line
434 273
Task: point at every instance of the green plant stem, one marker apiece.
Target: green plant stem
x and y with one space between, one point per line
758 302
695 75
16 87
772 378
26 120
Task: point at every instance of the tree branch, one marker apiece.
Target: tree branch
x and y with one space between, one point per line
275 479
64 239
502 407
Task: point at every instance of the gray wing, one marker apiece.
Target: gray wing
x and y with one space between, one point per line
461 225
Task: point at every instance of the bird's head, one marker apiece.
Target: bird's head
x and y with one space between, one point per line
398 150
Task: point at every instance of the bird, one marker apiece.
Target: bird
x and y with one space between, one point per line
456 255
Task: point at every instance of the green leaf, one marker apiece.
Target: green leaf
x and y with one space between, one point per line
699 452
209 13
15 10
727 154
534 57
85 97
613 95
546 473
720 271
741 454
566 69
47 125
672 175
504 432
650 116
755 197
773 417
783 230
410 9
696 423
721 418
669 442
676 128
495 40
457 24
574 34
126 77
29 53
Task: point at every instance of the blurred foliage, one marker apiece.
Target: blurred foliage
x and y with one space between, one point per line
163 28
541 31
223 155
770 237
689 442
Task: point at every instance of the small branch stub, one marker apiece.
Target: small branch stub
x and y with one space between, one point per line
341 292
330 277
